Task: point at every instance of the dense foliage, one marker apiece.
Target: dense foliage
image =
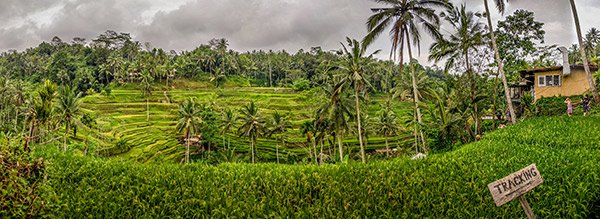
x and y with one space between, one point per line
21 182
452 184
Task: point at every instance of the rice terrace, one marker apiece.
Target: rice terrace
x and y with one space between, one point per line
299 109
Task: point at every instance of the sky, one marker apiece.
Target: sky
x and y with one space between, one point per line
247 24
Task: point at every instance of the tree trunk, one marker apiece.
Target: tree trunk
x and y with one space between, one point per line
85 150
360 140
387 146
586 66
415 89
314 143
147 111
277 151
270 75
28 139
339 140
494 104
187 148
252 148
65 137
513 117
16 118
473 93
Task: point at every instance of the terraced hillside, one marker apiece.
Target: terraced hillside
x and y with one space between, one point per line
444 185
123 131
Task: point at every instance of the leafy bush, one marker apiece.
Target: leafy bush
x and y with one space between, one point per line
301 84
551 106
452 184
106 91
21 183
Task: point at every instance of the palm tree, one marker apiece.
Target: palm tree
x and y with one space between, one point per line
252 125
68 107
586 66
467 36
500 6
591 42
41 109
279 124
354 74
189 122
147 91
308 129
405 89
402 17
227 123
387 124
337 110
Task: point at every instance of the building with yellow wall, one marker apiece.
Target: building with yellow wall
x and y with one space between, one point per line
556 81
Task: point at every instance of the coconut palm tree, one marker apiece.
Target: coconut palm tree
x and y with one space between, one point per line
591 42
402 17
354 69
466 37
279 124
308 129
189 122
41 109
337 109
404 91
584 57
500 5
227 123
69 107
386 123
252 125
147 91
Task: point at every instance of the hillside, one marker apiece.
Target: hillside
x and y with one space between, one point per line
453 184
123 131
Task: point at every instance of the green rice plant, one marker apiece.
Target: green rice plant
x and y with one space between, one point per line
445 185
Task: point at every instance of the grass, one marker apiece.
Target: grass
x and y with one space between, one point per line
447 185
121 117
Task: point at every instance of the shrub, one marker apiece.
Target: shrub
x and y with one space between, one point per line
106 91
21 183
301 84
551 106
446 185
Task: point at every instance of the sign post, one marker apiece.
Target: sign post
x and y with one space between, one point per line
516 185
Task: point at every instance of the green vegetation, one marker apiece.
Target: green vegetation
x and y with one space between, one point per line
121 118
452 184
130 116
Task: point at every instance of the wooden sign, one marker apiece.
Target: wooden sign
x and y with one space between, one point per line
516 185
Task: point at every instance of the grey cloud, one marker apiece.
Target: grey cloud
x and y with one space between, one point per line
247 24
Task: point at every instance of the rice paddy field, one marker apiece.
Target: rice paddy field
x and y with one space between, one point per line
123 132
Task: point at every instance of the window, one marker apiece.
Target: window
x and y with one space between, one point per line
549 81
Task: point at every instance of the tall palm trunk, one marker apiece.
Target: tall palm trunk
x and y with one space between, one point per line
147 111
314 143
252 148
339 140
360 140
586 67
65 137
277 151
387 146
513 117
187 148
473 92
415 90
28 139
494 104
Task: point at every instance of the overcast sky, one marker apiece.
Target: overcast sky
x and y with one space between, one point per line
247 24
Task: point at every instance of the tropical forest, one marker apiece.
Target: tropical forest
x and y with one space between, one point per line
462 95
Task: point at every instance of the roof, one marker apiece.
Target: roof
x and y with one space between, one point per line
526 72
